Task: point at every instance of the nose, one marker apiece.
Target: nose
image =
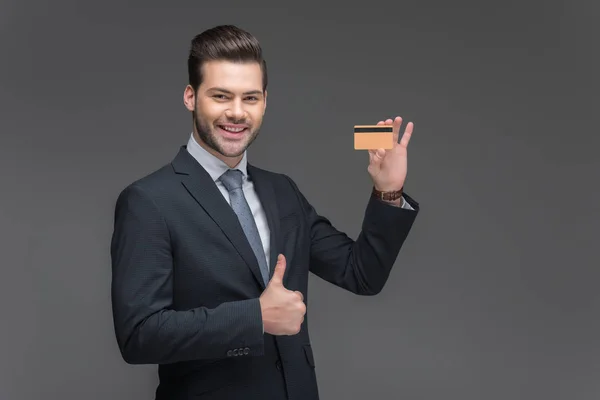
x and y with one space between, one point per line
236 111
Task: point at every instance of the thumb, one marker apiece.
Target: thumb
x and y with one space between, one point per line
279 270
376 156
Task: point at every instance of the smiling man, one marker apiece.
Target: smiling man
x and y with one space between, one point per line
228 106
211 254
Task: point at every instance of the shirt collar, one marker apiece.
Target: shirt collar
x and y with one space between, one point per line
214 166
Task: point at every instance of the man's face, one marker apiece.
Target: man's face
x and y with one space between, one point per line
228 107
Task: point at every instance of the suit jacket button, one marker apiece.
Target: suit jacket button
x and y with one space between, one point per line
229 353
278 365
235 352
246 351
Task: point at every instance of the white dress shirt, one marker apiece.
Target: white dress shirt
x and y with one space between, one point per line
216 168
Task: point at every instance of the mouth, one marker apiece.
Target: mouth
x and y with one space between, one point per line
234 131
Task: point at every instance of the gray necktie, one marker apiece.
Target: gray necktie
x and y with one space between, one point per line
232 180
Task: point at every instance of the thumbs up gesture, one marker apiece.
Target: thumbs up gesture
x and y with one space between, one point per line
282 309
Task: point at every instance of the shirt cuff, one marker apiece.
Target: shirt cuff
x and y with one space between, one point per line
405 204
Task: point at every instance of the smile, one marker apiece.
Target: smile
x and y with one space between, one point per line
232 131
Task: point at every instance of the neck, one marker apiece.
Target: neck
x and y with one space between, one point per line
231 162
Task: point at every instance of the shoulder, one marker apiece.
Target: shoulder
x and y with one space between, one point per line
148 188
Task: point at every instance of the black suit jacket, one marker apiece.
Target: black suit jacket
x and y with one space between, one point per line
185 282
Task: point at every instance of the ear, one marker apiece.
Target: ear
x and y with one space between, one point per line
265 102
189 98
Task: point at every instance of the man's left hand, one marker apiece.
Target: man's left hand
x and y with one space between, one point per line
388 167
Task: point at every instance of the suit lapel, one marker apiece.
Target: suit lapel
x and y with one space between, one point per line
266 194
201 186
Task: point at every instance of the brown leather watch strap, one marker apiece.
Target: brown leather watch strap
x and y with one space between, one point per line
387 196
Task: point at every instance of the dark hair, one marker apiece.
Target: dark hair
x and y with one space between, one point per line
223 42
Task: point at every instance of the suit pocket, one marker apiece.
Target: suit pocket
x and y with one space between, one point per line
309 355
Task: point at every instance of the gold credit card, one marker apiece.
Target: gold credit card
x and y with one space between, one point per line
372 137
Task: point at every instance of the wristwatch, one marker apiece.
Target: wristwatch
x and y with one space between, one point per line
387 196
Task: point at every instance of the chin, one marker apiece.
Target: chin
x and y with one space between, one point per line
235 147
228 151
232 149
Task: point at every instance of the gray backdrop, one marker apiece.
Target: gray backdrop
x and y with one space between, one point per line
495 295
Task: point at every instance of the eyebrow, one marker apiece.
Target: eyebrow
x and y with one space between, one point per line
218 89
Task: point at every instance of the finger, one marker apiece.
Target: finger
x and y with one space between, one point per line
397 124
372 152
407 134
375 155
299 295
279 270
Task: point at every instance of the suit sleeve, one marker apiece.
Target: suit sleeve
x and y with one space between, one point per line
361 266
148 330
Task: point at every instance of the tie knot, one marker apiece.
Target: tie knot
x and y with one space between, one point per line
232 179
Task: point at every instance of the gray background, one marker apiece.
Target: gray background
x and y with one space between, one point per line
495 295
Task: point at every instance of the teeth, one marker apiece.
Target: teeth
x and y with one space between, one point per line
234 130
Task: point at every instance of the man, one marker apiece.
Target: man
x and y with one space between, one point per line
211 254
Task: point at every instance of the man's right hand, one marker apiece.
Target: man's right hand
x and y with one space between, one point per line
282 309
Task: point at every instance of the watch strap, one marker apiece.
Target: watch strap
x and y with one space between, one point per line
387 196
